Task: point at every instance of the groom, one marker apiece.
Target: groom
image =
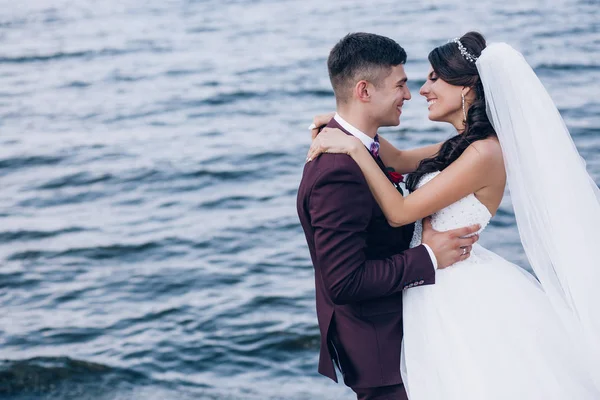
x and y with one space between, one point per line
361 263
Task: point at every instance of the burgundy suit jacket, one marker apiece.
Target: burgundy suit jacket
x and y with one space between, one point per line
361 265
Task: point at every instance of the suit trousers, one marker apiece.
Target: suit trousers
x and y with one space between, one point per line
394 392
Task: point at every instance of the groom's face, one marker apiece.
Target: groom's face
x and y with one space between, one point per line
388 97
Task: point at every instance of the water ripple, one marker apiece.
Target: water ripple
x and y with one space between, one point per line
20 162
42 376
32 235
88 54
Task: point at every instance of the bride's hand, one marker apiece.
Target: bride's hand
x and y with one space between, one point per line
332 140
318 122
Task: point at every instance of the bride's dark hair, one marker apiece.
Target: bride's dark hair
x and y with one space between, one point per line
452 67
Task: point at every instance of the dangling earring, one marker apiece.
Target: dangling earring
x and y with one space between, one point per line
463 105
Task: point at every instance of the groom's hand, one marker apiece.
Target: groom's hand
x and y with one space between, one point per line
450 247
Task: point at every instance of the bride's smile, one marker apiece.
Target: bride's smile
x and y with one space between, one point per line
445 100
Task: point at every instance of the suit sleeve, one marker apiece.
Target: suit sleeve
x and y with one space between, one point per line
340 209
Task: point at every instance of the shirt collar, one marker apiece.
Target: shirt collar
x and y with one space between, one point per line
364 138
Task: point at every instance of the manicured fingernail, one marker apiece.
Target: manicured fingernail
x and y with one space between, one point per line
311 127
308 159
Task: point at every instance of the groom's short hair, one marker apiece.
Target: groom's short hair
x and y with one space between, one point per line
362 56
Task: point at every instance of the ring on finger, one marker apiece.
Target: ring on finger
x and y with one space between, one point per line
464 252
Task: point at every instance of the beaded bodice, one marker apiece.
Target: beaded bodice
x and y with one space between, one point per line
467 211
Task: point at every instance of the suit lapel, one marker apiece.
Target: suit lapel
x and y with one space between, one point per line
407 230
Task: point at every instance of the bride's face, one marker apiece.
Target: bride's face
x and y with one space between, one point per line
444 100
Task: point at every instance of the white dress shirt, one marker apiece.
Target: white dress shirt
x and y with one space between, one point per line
367 141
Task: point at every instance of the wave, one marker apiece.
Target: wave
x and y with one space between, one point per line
154 249
75 84
26 235
234 202
82 54
533 12
233 97
216 101
62 56
568 67
63 199
29 161
41 376
75 180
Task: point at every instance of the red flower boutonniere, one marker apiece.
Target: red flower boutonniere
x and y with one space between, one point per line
396 177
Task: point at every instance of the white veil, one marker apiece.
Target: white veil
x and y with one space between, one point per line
556 202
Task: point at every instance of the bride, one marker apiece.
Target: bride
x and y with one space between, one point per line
487 329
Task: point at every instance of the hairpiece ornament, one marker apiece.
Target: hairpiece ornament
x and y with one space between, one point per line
463 50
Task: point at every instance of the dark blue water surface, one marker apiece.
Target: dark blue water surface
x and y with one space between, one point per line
150 153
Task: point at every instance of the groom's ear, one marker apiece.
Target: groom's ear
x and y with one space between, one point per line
362 91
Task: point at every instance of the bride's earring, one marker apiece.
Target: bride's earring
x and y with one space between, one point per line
463 105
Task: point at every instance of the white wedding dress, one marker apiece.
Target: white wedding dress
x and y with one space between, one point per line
486 329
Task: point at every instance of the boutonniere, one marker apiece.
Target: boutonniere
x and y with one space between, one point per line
396 178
